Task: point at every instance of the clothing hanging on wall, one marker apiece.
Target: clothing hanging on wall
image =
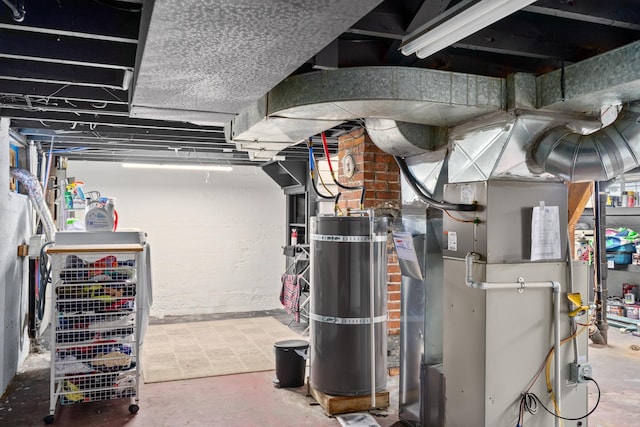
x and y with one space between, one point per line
290 294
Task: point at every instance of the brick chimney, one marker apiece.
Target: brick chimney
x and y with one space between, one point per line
381 177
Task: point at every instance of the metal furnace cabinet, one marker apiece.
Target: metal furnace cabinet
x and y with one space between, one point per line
496 339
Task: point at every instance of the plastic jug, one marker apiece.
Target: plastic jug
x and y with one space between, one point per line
100 215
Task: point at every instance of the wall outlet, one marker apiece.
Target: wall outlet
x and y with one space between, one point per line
578 372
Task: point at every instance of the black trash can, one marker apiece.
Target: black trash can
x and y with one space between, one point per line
290 362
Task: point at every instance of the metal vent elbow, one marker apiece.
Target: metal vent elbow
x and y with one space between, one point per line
600 156
406 139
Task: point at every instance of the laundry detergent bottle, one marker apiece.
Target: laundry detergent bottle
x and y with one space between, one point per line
100 215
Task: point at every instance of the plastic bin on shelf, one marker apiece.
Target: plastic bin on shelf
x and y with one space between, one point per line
620 257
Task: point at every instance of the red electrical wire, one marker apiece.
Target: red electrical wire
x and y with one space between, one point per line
333 175
326 152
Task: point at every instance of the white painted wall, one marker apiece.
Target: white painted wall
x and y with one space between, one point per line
15 229
14 281
216 242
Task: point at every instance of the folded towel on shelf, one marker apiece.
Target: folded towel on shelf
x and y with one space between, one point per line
290 294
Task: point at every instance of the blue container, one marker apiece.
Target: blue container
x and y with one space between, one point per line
620 258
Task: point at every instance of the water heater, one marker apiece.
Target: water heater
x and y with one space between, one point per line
348 261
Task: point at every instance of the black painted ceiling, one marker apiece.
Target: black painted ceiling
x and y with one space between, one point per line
66 69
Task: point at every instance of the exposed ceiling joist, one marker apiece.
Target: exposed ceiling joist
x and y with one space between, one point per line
429 10
63 106
67 49
56 72
110 122
78 17
61 91
65 69
621 13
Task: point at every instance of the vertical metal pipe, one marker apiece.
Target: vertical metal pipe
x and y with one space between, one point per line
556 342
140 307
53 325
372 265
601 291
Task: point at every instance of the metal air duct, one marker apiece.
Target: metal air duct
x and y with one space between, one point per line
497 147
406 139
599 156
425 145
307 104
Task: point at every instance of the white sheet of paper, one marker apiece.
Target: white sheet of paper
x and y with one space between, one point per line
404 246
545 233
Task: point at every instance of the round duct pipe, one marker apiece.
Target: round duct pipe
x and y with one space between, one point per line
599 156
405 139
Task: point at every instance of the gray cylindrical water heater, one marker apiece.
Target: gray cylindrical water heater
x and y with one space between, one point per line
340 305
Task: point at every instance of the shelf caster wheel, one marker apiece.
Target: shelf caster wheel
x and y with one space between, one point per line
48 419
134 409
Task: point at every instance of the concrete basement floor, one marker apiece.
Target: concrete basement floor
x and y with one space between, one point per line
616 368
252 400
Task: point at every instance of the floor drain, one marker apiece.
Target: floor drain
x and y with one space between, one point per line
635 347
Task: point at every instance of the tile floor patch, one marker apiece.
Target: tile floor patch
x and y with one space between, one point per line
207 349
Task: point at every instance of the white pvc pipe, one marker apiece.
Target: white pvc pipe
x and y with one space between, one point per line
515 285
521 284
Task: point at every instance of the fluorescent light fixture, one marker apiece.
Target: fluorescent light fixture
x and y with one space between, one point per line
471 20
215 168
